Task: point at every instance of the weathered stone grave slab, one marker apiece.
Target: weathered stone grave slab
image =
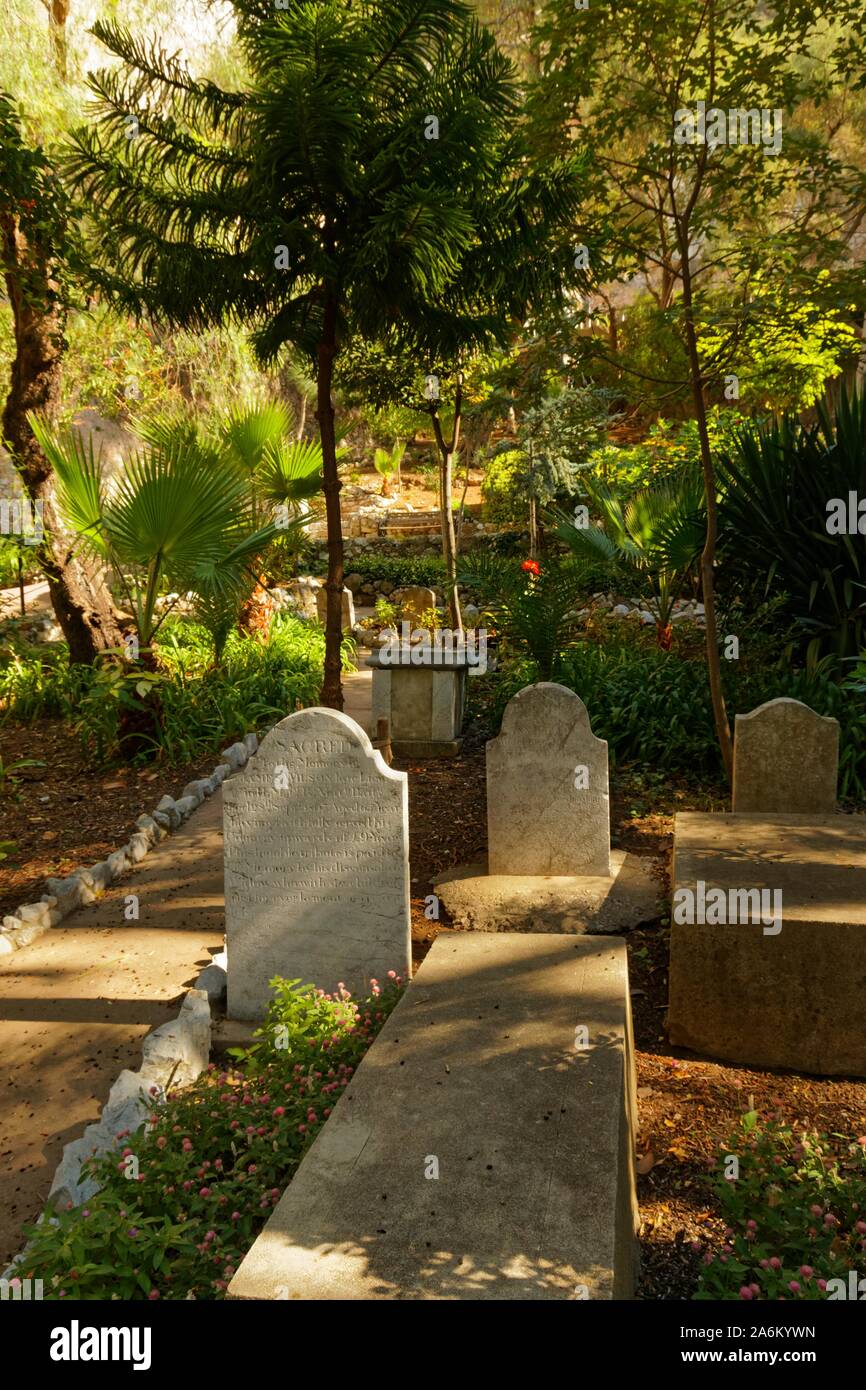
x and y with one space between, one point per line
786 760
347 610
476 901
548 808
786 987
484 1149
316 862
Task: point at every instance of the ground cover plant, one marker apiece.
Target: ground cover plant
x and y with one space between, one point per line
795 1207
182 1200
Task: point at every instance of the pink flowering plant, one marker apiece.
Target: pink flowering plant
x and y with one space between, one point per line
181 1200
795 1213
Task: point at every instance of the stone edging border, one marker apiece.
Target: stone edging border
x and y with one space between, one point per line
175 1053
84 886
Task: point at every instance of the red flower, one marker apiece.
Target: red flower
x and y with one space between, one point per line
531 567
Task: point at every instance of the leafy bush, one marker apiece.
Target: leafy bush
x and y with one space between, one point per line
212 1160
200 708
401 570
531 604
38 681
778 480
654 707
118 367
796 1215
669 448
502 490
10 552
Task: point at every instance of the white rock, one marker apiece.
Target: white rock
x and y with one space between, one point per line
186 805
220 773
213 981
621 610
251 743
34 912
185 1041
6 947
137 847
646 617
236 756
118 863
162 821
148 826
101 875
168 806
200 788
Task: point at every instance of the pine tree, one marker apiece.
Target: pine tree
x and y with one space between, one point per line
356 184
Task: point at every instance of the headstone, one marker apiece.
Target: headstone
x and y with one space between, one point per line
413 602
316 863
548 809
303 592
347 615
786 760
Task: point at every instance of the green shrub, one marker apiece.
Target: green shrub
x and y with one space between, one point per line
502 491
401 570
669 448
37 681
795 1213
10 551
201 707
182 1199
777 483
654 709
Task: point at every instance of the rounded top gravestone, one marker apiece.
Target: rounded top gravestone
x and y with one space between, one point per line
785 760
548 807
316 863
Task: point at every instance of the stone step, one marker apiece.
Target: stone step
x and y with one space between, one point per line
479 1153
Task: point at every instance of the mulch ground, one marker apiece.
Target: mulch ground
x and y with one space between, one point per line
65 814
68 813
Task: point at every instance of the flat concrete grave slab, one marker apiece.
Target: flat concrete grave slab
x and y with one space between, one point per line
744 991
476 1077
476 901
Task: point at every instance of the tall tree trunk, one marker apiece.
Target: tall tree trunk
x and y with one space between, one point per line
446 498
708 557
58 13
79 594
332 689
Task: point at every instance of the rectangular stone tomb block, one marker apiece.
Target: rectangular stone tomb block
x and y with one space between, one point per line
771 971
316 862
485 1147
423 704
548 807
